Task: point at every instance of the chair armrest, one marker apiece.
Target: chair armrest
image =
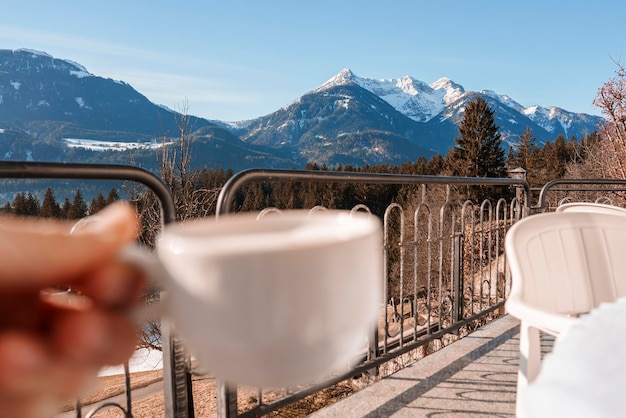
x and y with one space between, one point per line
549 322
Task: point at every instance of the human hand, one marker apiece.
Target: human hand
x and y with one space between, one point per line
53 343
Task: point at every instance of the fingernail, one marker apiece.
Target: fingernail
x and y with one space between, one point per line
106 224
87 224
67 299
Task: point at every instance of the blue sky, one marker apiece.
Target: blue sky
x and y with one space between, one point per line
235 60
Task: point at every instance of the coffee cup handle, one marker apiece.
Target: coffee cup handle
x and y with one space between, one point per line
154 270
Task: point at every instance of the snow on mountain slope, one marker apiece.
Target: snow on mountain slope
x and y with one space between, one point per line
504 99
422 102
413 98
552 118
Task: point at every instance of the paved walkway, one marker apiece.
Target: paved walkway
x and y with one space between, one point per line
473 377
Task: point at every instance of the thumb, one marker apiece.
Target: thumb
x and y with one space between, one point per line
42 252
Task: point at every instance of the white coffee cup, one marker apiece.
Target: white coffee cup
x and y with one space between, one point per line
279 300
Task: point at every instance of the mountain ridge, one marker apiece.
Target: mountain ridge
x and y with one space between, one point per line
347 119
432 99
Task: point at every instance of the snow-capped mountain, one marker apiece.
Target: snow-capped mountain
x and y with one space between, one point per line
555 120
415 99
346 120
358 120
36 87
341 124
423 102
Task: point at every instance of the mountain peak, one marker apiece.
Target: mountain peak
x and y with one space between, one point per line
411 85
446 84
416 99
346 73
345 76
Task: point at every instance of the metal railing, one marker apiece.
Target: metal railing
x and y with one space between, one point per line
445 270
559 191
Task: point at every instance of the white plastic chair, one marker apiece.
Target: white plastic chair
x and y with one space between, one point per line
591 207
562 265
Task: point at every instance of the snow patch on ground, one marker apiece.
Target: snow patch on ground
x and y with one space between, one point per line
143 360
97 145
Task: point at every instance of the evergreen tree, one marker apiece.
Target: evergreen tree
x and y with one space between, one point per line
435 165
97 203
113 196
555 157
7 209
49 207
478 151
418 167
32 205
563 149
65 208
19 207
78 208
526 155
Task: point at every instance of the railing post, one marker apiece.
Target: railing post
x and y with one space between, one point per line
176 384
457 276
226 399
373 351
129 399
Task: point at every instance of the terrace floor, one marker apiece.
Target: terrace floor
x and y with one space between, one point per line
473 377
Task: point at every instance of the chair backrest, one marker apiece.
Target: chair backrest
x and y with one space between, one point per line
567 262
591 207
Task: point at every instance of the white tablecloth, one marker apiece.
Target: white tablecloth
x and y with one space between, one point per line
585 375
